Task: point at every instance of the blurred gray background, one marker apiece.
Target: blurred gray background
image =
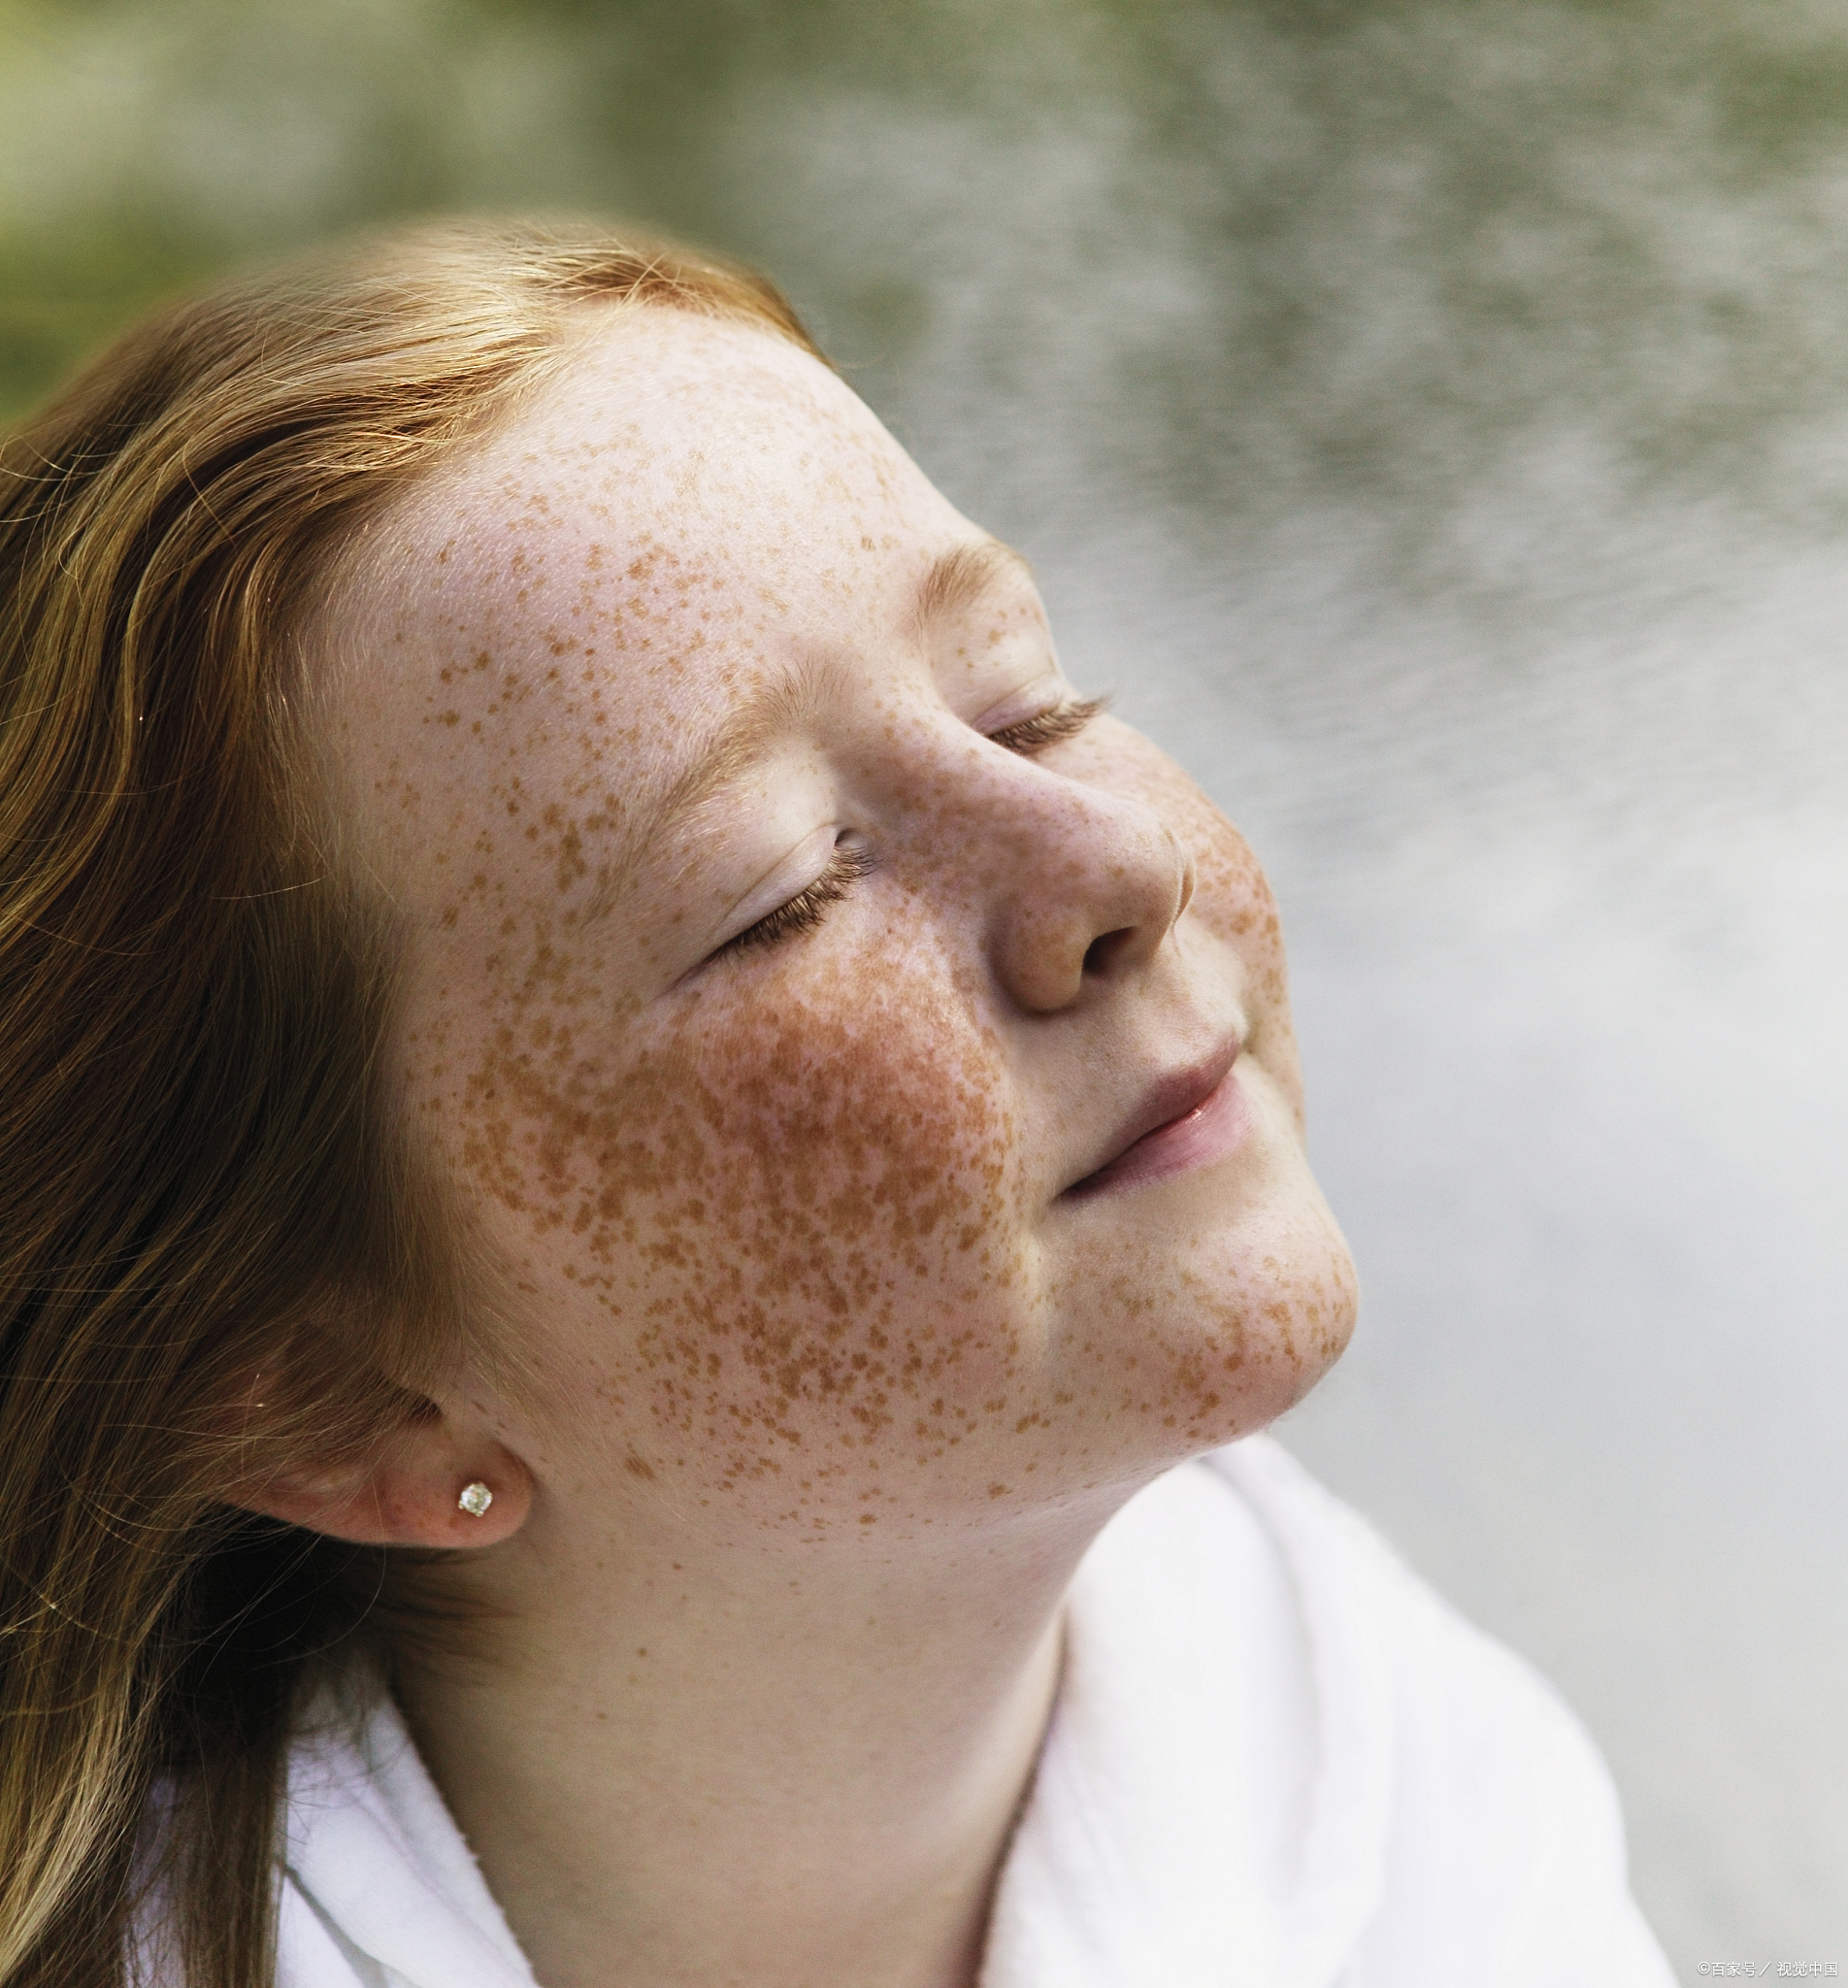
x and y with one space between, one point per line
1433 421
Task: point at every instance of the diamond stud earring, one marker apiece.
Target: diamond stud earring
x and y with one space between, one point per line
475 1500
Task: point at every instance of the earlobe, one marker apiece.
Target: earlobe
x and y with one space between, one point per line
425 1491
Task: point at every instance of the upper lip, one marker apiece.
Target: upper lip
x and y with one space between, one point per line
1166 1100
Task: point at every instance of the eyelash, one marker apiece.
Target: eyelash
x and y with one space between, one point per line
1063 721
804 912
851 862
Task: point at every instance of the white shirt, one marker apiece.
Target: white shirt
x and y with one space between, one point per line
1276 1761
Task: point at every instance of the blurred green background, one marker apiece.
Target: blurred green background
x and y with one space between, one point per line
1361 242
1433 421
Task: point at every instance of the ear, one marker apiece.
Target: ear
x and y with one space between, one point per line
408 1492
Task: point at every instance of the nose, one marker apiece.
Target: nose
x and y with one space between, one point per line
1084 885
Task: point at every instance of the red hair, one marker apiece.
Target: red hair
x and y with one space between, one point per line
202 1176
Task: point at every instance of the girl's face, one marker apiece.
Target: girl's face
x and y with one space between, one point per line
792 961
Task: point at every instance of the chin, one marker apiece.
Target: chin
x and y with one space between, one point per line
1206 1307
1256 1337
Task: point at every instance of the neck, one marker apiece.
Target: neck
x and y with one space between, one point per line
786 1765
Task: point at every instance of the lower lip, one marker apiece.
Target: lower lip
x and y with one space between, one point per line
1215 1127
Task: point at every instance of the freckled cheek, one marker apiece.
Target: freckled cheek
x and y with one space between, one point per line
1232 897
1232 900
788 1227
878 1141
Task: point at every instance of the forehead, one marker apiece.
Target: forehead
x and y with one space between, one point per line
680 482
672 455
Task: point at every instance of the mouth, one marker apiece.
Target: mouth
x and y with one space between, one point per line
1186 1119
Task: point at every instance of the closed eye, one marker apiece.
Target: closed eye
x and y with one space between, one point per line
1063 721
804 912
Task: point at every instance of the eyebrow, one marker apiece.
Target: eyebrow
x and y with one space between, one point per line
954 579
959 578
769 711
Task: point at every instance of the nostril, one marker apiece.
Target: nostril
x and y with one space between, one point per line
1102 950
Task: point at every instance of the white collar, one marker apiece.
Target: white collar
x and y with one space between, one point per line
1211 1803
377 1865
